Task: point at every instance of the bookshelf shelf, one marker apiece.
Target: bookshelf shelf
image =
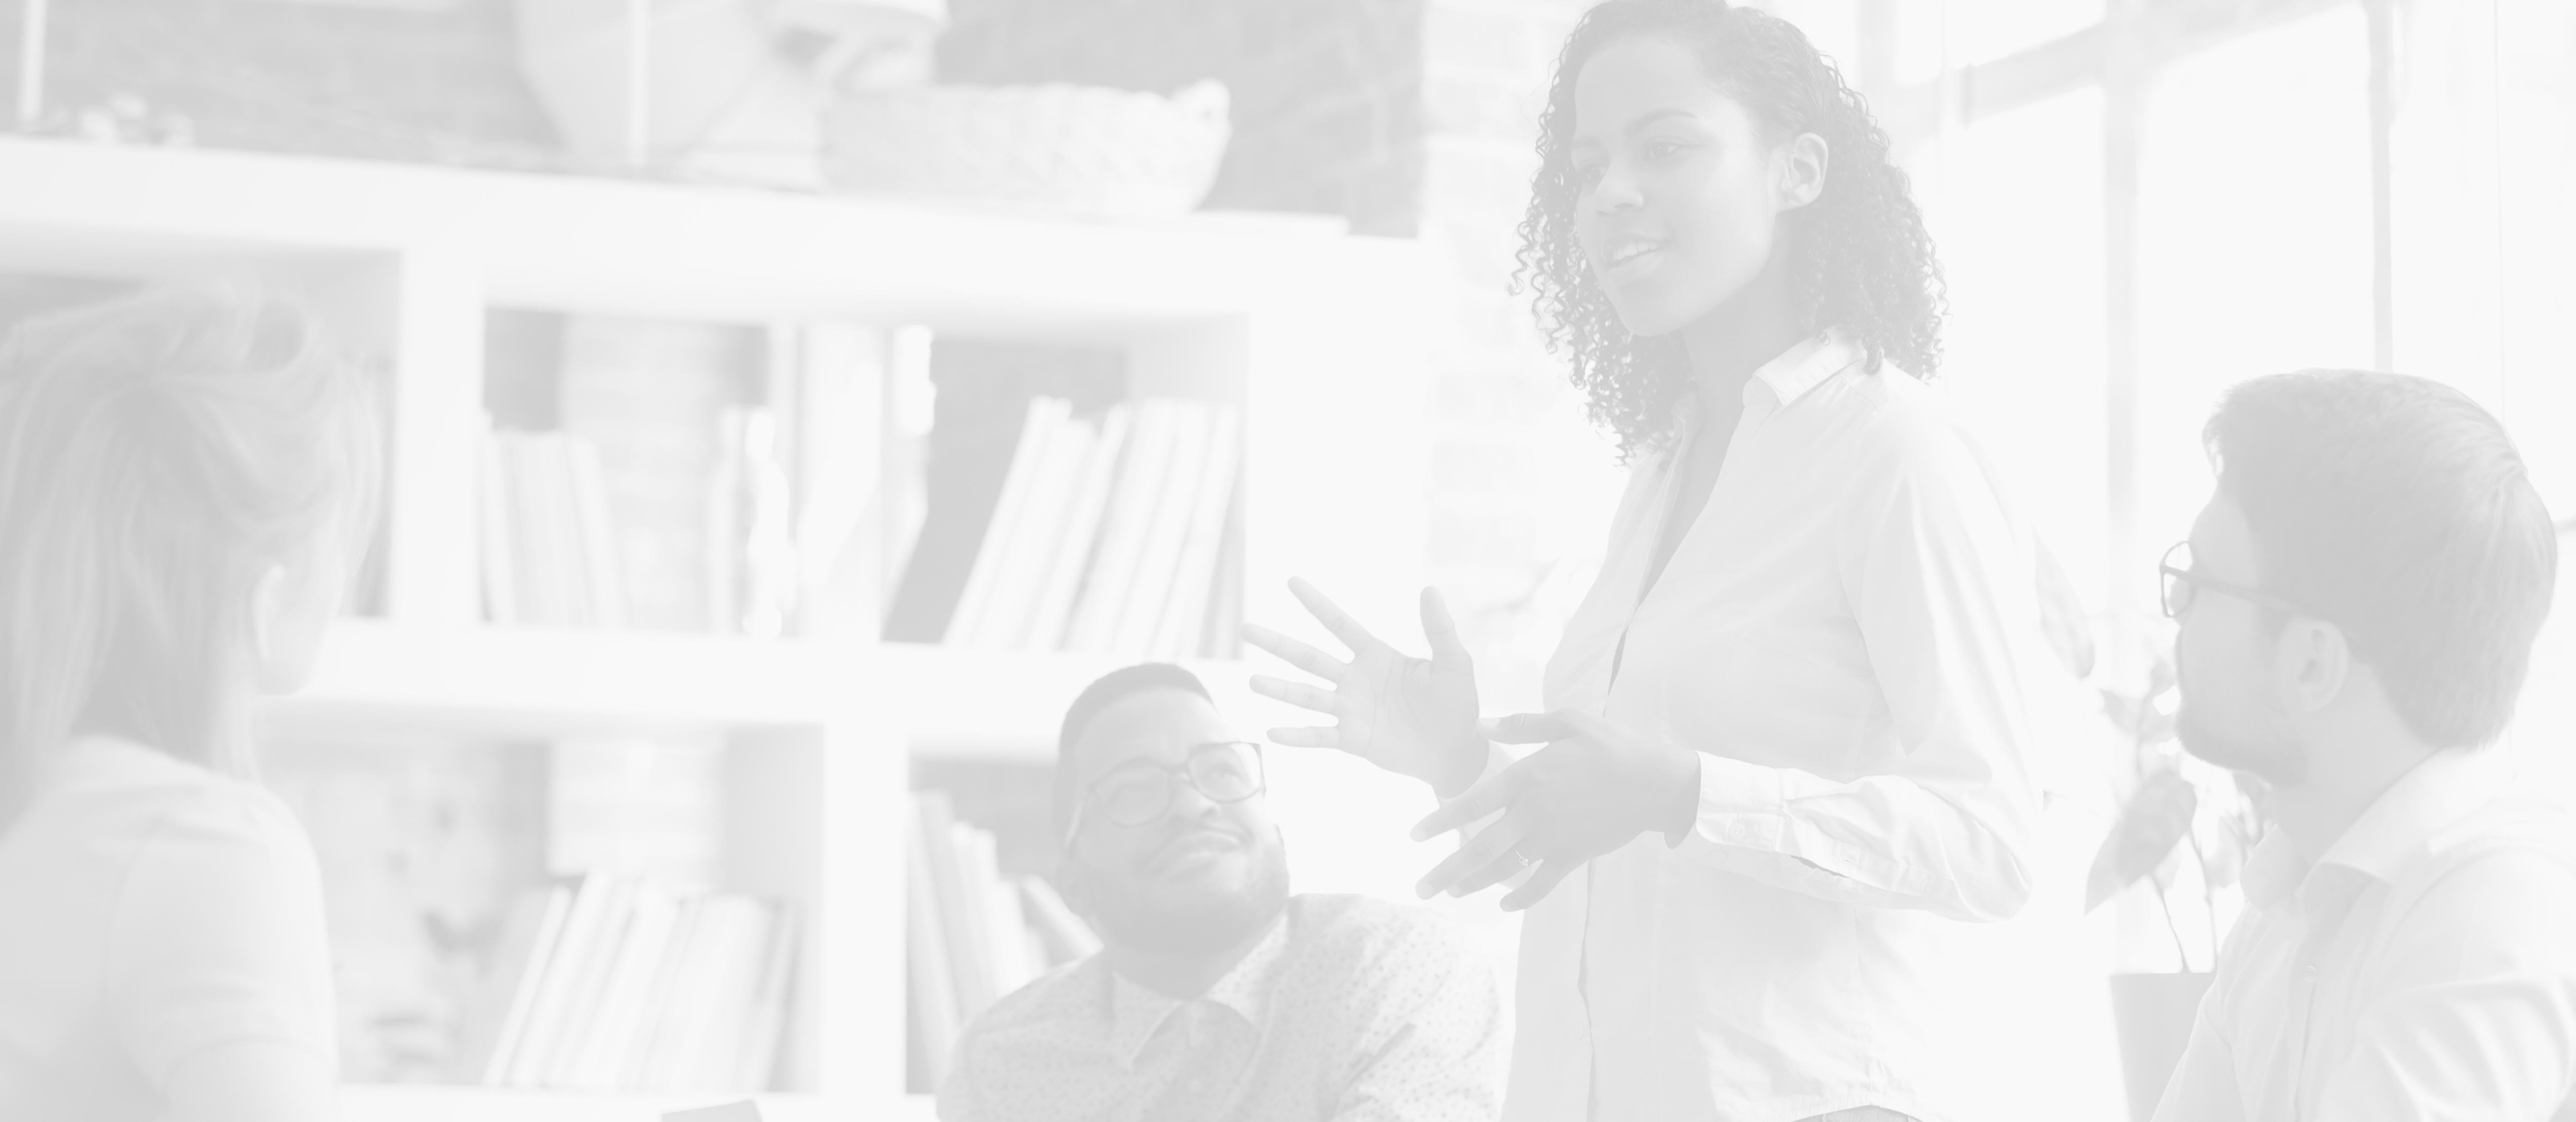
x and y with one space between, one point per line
403 1103
540 678
528 681
609 245
1317 339
1007 704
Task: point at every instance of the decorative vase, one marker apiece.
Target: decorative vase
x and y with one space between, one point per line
2154 1014
713 99
1063 148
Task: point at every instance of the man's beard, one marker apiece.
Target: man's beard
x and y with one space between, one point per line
2258 740
1201 923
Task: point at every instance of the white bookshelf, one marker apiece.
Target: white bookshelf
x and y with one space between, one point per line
1321 338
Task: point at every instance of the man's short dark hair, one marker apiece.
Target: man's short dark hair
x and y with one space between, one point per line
1112 688
2397 509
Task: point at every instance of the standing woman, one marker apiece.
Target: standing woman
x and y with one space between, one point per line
185 479
1787 740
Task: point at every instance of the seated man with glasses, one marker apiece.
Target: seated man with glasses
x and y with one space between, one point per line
2357 606
1219 995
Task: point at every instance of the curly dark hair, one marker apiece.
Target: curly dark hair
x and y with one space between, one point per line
1860 259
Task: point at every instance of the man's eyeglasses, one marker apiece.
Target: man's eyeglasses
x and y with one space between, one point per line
2181 584
1140 792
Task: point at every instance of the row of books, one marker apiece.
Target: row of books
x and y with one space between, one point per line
1111 532
616 982
973 934
549 548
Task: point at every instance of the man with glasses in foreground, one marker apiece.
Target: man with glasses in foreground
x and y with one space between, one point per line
1218 995
2357 606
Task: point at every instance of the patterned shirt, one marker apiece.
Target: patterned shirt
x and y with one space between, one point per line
1350 1009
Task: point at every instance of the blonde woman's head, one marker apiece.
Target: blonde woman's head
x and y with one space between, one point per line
186 479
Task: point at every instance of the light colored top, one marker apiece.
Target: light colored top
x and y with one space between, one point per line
1841 636
2423 968
157 916
1350 1009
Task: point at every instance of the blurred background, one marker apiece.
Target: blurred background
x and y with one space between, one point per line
796 402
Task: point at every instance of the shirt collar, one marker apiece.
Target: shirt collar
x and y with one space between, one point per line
1137 1013
1806 365
2404 822
1244 988
2407 818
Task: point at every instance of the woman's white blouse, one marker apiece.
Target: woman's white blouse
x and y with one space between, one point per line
1841 635
152 913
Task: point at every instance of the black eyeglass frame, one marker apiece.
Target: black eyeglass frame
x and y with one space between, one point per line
1173 774
2176 578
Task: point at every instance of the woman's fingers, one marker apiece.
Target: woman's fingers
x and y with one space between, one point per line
1549 727
1497 792
1441 630
1296 653
1309 737
1513 861
1331 615
1524 728
1541 882
1490 847
1298 694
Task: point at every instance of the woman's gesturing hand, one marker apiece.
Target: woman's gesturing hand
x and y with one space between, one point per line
1595 786
1411 716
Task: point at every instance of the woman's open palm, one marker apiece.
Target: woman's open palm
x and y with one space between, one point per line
1412 716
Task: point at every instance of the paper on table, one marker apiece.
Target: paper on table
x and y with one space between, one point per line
745 1111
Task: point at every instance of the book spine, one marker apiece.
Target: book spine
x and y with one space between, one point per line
1046 417
1194 576
1151 590
601 576
1122 535
628 986
519 472
751 929
1033 543
693 1063
934 985
598 961
638 1066
1006 930
689 1025
974 924
521 982
726 516
1050 617
547 1014
498 550
939 846
768 1027
1223 636
557 530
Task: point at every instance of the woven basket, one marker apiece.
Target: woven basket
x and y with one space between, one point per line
1076 149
